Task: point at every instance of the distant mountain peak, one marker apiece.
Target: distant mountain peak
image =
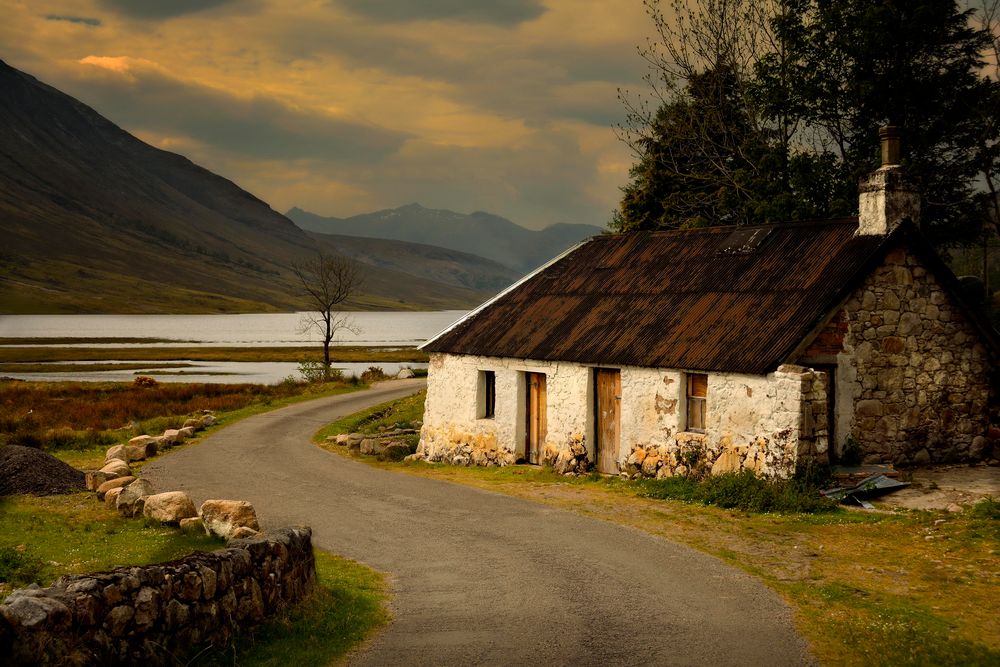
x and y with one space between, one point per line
480 233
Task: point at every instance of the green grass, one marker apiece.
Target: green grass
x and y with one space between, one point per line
347 606
402 412
44 538
742 490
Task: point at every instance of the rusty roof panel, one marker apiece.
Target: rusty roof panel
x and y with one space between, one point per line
695 299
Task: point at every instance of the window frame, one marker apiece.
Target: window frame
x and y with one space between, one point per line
694 404
486 407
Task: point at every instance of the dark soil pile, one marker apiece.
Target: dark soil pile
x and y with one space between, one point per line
26 470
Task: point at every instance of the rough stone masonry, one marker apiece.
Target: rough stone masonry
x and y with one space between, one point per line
158 614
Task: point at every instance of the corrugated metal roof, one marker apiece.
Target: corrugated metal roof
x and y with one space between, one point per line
717 299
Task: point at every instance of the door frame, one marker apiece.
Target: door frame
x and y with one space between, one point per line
533 451
614 468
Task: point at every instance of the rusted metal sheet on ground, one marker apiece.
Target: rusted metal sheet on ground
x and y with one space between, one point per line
720 299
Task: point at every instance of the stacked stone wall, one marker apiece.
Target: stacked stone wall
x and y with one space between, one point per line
158 614
915 370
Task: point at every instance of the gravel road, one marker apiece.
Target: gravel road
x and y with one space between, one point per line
480 578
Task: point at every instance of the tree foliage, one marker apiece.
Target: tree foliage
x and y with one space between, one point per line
768 111
327 281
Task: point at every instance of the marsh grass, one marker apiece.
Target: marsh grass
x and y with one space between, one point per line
75 416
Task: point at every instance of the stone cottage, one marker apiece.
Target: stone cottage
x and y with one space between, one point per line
721 349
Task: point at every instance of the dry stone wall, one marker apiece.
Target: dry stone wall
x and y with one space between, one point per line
914 369
158 614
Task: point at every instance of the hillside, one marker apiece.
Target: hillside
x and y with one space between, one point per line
478 233
440 265
95 220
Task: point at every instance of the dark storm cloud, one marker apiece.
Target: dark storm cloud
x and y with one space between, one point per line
74 19
161 9
260 127
504 12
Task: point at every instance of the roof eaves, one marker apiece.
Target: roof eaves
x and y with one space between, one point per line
475 311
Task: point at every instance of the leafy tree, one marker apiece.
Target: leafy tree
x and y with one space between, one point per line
327 281
796 99
860 64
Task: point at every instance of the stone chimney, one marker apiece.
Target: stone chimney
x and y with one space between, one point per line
886 198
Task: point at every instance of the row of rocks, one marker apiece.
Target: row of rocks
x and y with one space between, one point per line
133 496
386 445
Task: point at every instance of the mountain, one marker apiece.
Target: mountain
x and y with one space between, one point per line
441 265
95 220
478 233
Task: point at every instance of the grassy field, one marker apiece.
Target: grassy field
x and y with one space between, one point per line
10 355
78 421
43 538
867 588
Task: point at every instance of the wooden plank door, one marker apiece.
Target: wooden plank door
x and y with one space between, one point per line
608 412
536 405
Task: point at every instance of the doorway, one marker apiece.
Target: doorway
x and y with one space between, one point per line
535 408
607 418
832 446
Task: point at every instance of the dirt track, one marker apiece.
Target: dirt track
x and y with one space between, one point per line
481 578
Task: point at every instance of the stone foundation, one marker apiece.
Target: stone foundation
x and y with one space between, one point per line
462 448
158 614
570 458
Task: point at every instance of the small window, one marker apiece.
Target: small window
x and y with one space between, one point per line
487 394
697 395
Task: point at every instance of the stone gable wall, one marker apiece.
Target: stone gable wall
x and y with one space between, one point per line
157 614
914 370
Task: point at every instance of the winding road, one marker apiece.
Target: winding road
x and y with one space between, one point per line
480 578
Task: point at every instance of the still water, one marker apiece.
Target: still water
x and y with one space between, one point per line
246 330
403 329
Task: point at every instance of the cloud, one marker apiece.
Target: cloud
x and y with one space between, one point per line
502 12
141 95
74 19
161 9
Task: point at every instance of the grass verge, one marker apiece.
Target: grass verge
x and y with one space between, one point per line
44 538
867 588
347 606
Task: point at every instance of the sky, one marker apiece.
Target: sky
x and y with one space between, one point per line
342 107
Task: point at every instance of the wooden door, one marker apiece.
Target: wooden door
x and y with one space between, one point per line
535 404
608 412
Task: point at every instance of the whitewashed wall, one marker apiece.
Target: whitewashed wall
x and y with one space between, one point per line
752 421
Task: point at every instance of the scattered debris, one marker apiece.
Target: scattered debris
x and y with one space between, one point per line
872 486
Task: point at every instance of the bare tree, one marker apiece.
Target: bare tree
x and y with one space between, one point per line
327 281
